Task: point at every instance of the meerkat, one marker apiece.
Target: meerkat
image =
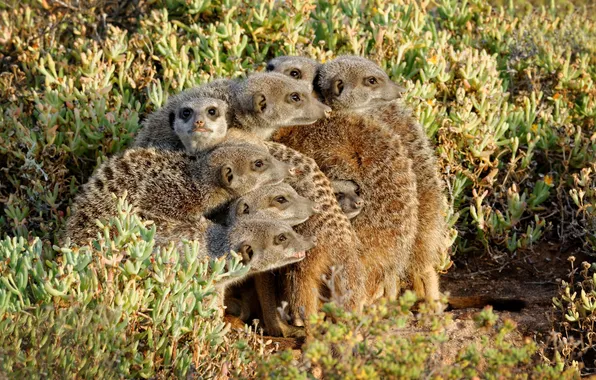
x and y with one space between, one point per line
348 196
297 67
356 83
375 159
258 106
200 124
172 185
263 245
275 202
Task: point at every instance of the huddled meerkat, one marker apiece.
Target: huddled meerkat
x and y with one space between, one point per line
276 202
263 244
297 67
172 185
348 196
200 123
259 105
347 145
356 83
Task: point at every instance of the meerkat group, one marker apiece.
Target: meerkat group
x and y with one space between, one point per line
301 169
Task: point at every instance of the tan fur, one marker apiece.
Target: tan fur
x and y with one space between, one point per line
296 67
348 196
379 102
349 146
336 242
192 185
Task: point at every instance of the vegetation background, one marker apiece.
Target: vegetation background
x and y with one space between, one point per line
505 89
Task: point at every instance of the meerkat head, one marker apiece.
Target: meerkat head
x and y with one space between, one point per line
352 82
296 67
266 102
266 244
276 202
200 123
240 168
347 194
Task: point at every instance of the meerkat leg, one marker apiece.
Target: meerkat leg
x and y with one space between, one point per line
431 287
220 304
390 284
274 325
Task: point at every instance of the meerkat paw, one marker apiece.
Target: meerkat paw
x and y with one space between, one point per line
289 331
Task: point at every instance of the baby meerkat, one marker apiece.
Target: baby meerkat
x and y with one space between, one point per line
275 202
263 244
172 185
348 197
355 83
297 67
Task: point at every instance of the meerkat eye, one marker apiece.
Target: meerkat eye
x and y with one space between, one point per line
295 97
185 113
339 196
259 163
280 238
281 199
296 74
357 191
212 111
371 81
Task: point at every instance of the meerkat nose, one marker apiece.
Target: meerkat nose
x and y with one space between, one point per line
199 123
293 170
359 203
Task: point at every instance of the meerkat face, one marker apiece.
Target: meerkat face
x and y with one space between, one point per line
295 67
274 101
200 123
347 194
351 82
275 202
266 245
244 167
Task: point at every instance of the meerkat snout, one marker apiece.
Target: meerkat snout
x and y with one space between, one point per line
347 194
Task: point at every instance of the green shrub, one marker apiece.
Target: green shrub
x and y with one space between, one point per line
118 307
574 342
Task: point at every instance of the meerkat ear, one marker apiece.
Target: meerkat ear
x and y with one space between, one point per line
242 208
337 87
246 252
259 102
172 119
227 176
